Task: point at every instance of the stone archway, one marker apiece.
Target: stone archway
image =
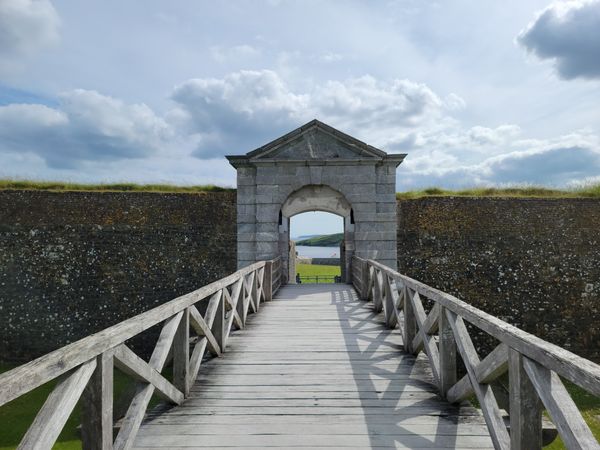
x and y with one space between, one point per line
317 198
287 172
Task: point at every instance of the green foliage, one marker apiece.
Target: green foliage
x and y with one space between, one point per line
589 406
326 240
17 415
591 191
118 187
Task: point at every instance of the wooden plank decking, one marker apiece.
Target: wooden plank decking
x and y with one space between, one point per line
315 368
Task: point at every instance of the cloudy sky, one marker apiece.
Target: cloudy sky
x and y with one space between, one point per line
477 93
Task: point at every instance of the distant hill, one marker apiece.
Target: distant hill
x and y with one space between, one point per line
326 240
304 237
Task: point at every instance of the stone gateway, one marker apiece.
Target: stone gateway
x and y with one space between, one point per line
316 168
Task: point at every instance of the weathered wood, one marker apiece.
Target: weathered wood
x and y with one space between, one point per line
571 427
576 369
202 329
370 282
97 406
212 308
164 343
231 305
377 291
24 378
237 300
485 396
391 299
525 407
268 281
430 326
218 325
490 368
51 418
181 354
447 349
131 364
429 344
133 418
143 392
249 293
196 360
410 324
315 368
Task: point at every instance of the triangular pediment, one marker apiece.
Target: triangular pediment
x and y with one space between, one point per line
316 141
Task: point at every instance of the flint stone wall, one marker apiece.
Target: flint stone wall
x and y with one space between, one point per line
532 262
73 263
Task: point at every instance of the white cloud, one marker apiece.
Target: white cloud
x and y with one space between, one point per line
86 126
245 109
564 161
26 26
210 117
239 111
567 33
236 53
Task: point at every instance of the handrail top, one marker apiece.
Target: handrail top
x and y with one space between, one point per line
575 368
47 367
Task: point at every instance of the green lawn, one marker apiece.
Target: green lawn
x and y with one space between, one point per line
589 406
313 270
17 416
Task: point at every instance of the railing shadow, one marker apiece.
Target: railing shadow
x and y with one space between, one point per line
399 382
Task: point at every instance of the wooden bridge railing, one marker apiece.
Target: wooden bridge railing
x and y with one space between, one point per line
85 368
534 366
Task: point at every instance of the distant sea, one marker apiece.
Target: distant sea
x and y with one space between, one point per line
318 252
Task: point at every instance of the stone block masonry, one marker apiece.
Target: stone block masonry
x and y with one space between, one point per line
73 263
532 262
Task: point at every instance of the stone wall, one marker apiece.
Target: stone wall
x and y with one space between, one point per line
72 263
533 262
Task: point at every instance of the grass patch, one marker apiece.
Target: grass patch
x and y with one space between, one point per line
589 191
317 270
115 187
17 415
588 405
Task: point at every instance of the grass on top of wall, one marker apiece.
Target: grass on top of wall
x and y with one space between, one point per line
589 191
110 187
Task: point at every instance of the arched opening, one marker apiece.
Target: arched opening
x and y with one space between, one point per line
318 237
309 199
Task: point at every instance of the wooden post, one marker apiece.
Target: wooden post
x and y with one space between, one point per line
448 375
410 323
364 273
254 292
377 288
181 354
390 303
218 326
525 406
267 283
97 406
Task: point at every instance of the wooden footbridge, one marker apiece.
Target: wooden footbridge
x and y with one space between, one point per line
373 365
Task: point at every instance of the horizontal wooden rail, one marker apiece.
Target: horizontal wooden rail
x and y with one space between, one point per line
85 368
534 366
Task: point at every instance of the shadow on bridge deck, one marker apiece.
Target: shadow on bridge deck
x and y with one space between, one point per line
315 368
